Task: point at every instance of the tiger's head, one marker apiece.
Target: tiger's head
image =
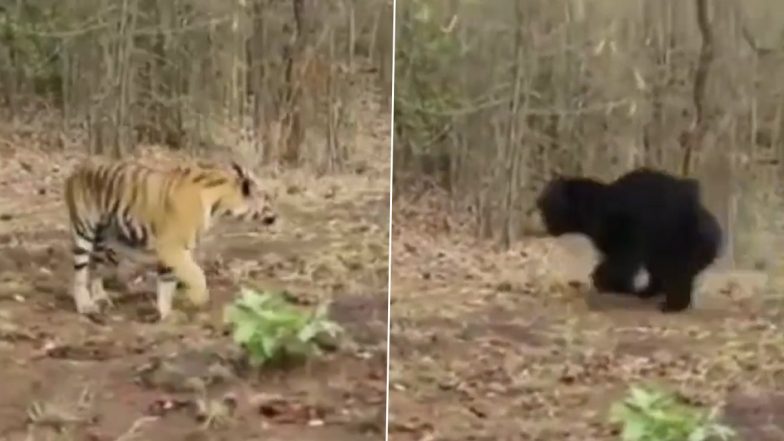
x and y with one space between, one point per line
244 199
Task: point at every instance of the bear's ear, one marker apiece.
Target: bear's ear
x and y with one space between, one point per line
557 173
558 184
561 189
555 192
693 188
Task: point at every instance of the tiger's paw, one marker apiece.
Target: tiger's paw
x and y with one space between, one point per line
88 307
101 298
173 317
84 302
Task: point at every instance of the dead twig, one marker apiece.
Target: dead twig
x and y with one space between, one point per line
135 429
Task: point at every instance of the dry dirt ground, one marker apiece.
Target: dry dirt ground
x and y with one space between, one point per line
514 345
66 377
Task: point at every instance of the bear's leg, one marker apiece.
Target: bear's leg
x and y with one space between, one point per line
654 287
620 239
678 286
615 274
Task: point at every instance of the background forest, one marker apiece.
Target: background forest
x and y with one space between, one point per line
263 75
494 97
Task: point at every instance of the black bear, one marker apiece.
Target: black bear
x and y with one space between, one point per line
644 219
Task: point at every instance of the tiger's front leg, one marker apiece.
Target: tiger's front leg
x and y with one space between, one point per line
82 252
179 266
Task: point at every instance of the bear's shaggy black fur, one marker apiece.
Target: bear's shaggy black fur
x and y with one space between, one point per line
644 219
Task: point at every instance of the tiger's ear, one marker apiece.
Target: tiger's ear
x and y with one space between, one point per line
238 169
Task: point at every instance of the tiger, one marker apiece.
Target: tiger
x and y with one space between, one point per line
152 215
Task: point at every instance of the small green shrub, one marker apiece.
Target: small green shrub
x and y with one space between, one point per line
651 415
271 329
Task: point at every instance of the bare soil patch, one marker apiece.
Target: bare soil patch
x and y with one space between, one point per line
66 375
514 345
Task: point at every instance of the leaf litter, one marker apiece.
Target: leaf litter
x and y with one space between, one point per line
514 345
171 381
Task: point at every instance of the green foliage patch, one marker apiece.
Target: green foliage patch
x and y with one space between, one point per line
272 330
647 414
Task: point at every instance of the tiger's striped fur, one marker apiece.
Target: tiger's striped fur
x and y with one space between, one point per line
152 214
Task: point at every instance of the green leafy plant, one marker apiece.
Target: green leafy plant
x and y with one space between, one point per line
647 414
271 329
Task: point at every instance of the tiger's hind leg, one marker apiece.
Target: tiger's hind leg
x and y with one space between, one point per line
179 266
82 256
103 259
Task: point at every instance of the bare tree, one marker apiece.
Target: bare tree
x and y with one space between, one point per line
264 77
687 87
